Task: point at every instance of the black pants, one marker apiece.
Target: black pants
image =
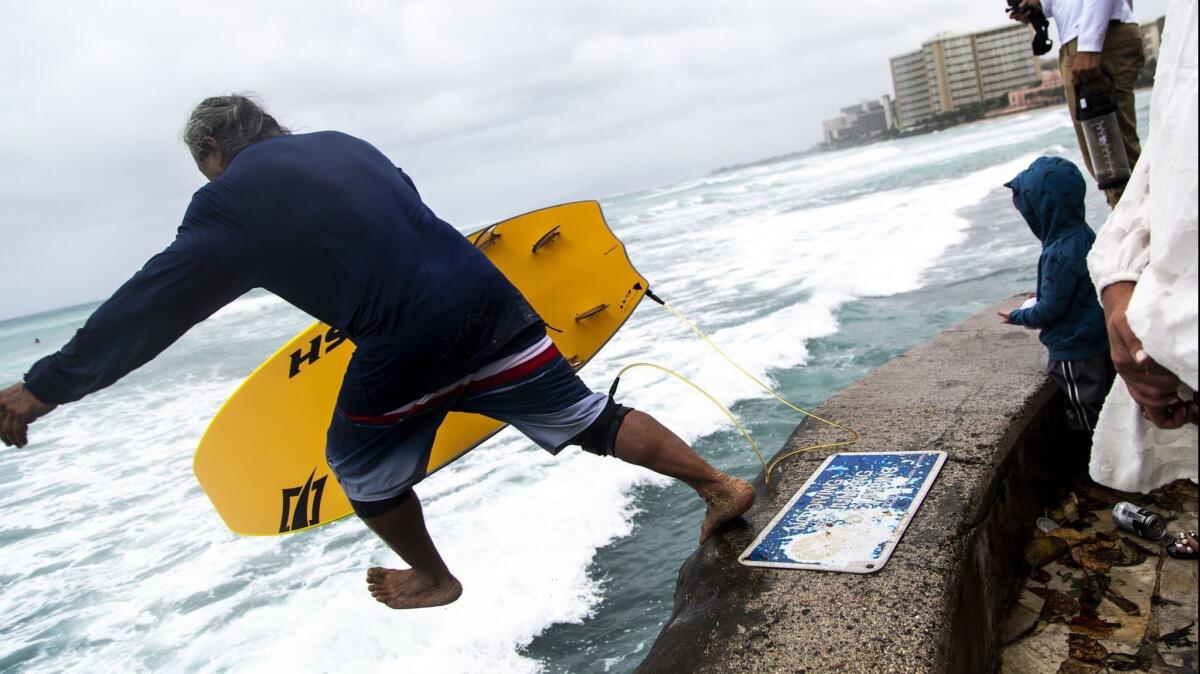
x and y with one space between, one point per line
1086 384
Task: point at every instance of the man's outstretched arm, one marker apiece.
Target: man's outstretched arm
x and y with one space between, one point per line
204 269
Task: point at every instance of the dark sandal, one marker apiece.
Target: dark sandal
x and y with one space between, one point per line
1180 548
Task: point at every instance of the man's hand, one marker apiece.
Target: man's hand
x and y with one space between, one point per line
1021 12
1086 67
1003 316
18 409
1150 385
1176 416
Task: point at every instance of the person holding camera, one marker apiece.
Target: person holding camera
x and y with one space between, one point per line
1098 38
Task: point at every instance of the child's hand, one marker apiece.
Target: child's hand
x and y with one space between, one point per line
1003 316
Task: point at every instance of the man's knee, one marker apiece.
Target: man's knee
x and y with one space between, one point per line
366 509
601 436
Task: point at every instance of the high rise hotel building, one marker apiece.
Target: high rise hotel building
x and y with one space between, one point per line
951 72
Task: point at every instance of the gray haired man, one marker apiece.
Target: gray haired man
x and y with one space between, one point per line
325 221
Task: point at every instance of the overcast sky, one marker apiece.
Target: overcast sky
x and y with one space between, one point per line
494 108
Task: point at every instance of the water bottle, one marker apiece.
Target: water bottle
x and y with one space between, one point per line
1096 110
1140 521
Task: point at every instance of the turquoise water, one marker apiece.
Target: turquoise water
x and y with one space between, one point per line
810 271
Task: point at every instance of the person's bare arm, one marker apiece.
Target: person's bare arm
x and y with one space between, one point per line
1093 28
1085 67
1150 385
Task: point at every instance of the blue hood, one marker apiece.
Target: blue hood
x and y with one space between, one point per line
1049 194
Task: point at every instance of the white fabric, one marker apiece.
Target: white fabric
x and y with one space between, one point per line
1131 454
1086 20
1151 238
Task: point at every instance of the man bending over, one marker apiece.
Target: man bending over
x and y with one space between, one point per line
325 221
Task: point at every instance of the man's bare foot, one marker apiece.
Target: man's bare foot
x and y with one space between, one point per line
727 500
409 589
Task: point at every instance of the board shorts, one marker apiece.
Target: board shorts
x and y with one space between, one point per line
377 459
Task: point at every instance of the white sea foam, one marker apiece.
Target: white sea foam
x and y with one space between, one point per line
247 304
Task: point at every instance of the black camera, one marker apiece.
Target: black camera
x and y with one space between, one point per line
1041 25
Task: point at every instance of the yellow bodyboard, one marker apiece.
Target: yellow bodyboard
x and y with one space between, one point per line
262 459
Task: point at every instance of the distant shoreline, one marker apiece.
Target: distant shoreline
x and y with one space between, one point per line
993 115
1005 112
39 314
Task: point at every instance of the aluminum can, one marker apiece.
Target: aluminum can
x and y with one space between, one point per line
1144 523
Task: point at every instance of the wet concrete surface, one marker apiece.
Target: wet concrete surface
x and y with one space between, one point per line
977 392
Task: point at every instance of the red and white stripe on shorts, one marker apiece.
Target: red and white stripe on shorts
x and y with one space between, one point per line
495 375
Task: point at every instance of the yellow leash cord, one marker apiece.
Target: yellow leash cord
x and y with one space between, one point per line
706 394
768 467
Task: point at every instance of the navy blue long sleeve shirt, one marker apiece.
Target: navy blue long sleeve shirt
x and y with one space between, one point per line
325 221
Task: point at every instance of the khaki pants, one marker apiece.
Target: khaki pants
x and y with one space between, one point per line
1123 57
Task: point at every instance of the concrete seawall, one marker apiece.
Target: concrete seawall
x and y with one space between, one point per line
977 392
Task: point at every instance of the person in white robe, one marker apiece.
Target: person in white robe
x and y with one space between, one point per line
1143 264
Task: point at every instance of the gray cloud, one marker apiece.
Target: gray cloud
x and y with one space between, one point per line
494 108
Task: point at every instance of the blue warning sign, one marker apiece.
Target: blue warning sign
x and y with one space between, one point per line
849 515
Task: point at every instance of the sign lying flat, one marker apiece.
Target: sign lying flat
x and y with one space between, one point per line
849 515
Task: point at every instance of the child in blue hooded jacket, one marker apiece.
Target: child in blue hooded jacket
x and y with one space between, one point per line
1049 194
